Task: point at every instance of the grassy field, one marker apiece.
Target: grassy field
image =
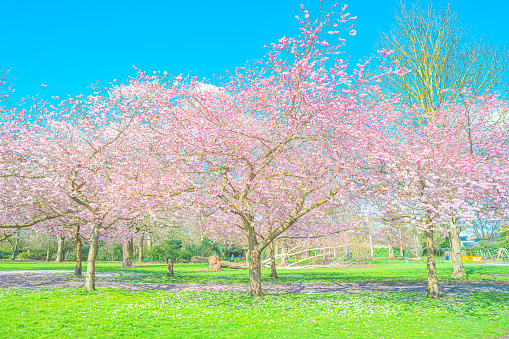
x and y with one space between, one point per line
197 273
146 314
108 313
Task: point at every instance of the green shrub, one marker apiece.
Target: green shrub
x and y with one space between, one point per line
24 256
5 254
164 251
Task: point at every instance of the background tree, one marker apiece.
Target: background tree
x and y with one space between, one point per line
442 60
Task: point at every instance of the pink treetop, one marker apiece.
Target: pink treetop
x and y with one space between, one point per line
446 166
77 162
280 139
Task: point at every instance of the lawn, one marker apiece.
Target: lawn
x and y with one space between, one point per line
72 313
197 273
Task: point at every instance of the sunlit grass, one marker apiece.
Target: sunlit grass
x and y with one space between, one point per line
32 313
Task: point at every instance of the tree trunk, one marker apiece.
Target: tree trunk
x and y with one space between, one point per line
273 272
458 271
127 254
401 243
78 243
140 250
14 249
92 255
370 246
169 273
391 251
284 258
60 245
110 252
255 274
78 269
47 252
233 265
432 272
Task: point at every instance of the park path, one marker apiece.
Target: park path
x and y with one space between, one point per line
61 279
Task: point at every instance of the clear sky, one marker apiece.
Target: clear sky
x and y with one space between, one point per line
72 44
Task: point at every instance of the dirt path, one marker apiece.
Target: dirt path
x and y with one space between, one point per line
59 279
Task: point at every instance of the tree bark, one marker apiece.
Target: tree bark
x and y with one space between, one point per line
47 251
234 265
391 251
79 268
432 272
60 245
169 273
255 274
400 243
273 272
284 258
458 271
78 243
92 255
127 254
14 249
140 250
370 246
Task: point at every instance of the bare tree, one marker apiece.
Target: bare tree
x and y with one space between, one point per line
434 47
488 229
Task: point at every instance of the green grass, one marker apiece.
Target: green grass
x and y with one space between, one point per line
72 313
197 273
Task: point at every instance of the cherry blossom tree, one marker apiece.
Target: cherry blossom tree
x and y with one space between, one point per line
436 175
74 164
279 140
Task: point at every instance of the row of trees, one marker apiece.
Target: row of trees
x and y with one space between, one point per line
286 147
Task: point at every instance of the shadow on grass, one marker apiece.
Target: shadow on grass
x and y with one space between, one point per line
198 273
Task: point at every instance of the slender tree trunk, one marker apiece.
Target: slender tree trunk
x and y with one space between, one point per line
284 258
78 269
60 245
14 249
110 252
255 274
391 251
169 273
78 243
140 250
273 272
47 251
458 271
400 243
92 255
127 254
432 272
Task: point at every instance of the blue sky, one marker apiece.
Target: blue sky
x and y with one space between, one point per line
71 44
